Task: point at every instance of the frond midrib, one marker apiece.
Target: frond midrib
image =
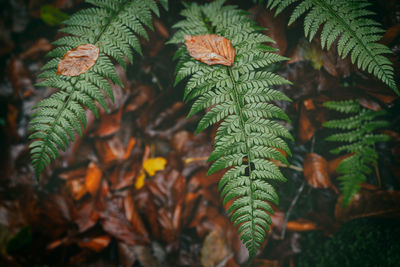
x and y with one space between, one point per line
115 15
347 26
249 159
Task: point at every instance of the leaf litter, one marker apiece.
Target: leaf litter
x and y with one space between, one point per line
98 205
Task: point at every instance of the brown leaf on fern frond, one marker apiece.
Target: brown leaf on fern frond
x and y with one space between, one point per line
211 49
78 60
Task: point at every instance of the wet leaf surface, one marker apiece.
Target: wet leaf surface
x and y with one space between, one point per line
211 49
78 60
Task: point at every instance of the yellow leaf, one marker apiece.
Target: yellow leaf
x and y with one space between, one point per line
140 180
152 165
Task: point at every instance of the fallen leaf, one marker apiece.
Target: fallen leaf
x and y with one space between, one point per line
96 244
370 203
152 165
390 35
78 60
129 147
306 129
77 188
109 124
309 104
215 249
93 178
87 216
110 150
369 104
211 49
116 224
300 225
132 214
139 183
41 46
316 171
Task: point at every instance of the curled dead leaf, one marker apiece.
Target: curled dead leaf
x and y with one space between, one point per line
316 171
211 49
78 60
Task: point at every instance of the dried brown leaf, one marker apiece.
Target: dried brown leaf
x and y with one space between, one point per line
215 249
316 171
306 129
370 203
110 150
132 214
78 60
211 49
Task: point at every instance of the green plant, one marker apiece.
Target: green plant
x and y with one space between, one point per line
111 26
248 136
348 22
238 97
360 141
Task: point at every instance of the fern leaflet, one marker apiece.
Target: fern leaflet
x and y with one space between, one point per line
357 134
348 22
110 25
248 136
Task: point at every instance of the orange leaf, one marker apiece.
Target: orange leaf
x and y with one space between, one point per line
93 178
129 147
78 60
211 49
77 188
300 225
96 244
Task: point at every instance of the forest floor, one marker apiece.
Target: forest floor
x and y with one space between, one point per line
133 191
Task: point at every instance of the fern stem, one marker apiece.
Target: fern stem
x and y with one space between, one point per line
109 22
238 102
293 167
333 13
292 204
378 175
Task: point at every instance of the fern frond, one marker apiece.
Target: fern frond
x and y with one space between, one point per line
359 140
348 22
110 25
239 97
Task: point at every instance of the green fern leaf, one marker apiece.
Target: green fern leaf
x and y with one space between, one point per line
359 140
348 22
110 25
239 97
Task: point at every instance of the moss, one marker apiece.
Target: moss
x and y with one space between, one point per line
361 242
